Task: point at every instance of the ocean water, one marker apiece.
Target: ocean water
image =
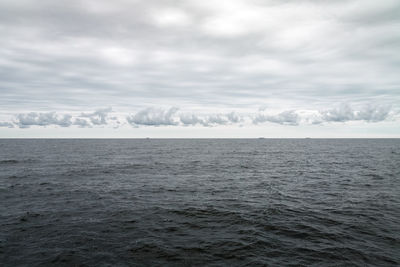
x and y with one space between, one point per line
200 202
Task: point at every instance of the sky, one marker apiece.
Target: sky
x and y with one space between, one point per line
199 69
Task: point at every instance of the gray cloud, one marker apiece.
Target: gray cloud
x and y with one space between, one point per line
169 117
345 112
43 119
234 117
289 117
131 54
99 117
191 119
373 113
216 119
209 120
6 124
82 123
153 117
206 57
341 114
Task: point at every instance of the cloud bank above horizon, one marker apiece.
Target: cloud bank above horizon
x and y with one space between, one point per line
194 63
173 116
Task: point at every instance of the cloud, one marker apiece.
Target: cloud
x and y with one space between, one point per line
343 113
173 116
198 54
234 117
99 117
6 124
340 114
43 119
82 123
373 113
209 120
289 117
216 119
153 117
191 119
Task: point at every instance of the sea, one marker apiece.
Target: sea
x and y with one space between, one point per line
199 202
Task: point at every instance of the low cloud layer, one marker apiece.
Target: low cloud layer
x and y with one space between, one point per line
173 116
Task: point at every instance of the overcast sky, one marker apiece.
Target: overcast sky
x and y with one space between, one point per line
195 68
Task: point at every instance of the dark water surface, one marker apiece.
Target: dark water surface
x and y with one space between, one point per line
200 202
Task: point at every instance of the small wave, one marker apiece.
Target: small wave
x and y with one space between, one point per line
9 161
375 176
14 161
28 216
153 250
18 176
203 212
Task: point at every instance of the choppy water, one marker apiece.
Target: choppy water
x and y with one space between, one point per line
200 202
